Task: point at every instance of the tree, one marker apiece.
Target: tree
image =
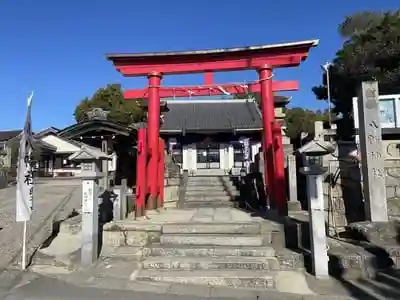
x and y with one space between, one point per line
111 99
297 119
300 120
359 22
371 52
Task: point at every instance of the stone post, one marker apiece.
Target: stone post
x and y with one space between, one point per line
371 153
319 130
119 203
91 160
106 180
293 203
317 220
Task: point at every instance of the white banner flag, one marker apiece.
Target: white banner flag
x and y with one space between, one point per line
24 198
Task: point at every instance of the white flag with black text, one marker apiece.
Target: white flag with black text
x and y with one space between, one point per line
24 198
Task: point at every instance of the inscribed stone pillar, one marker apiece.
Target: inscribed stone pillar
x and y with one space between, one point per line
317 221
194 157
319 130
372 160
185 165
292 177
104 148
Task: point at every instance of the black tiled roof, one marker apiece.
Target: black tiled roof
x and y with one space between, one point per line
211 115
9 134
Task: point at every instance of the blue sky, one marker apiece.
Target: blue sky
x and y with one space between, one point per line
56 48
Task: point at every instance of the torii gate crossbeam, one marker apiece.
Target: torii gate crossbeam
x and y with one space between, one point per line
211 89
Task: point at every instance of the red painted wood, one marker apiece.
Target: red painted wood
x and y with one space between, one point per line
153 131
141 186
280 186
161 171
268 116
183 91
208 78
175 66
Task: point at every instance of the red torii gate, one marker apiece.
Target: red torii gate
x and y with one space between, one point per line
261 58
211 89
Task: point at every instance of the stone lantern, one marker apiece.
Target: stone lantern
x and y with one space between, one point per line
313 153
91 160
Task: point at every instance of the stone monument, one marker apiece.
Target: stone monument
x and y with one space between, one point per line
372 160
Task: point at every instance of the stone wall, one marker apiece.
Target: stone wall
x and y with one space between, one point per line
343 184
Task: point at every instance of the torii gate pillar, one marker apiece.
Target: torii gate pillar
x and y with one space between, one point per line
153 131
268 116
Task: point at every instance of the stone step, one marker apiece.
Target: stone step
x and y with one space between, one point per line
211 204
199 188
211 239
206 197
205 178
213 228
208 251
211 263
211 193
205 183
234 278
126 253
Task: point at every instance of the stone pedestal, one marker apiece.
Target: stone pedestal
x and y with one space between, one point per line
319 249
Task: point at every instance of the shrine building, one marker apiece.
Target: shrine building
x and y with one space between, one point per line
216 136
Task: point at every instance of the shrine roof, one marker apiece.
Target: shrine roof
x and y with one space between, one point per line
95 125
211 115
9 134
219 51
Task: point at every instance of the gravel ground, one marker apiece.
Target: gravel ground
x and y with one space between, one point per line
49 198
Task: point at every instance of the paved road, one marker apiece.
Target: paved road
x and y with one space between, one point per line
48 198
36 287
51 289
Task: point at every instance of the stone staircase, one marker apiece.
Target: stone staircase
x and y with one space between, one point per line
208 242
220 254
209 191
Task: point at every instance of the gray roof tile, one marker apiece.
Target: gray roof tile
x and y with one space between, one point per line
211 115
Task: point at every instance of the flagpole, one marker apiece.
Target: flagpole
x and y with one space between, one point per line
24 246
24 195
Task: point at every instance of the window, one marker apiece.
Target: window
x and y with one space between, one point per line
387 114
